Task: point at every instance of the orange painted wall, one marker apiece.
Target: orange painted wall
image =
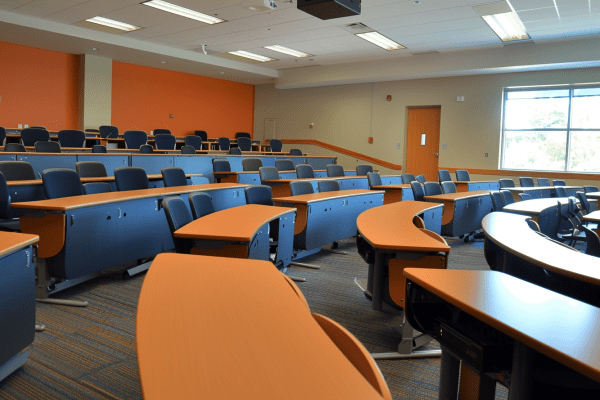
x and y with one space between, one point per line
143 98
38 87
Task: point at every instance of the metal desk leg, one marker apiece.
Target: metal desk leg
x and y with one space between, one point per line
521 377
408 345
449 372
378 272
42 292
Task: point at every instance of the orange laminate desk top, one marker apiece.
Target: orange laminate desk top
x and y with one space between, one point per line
74 202
309 198
593 195
511 233
535 316
592 217
287 181
391 187
244 334
467 182
390 227
458 196
236 224
11 242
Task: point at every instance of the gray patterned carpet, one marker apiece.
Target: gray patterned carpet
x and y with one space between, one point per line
89 353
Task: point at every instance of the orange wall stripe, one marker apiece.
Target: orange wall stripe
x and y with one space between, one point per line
540 174
347 152
144 97
38 87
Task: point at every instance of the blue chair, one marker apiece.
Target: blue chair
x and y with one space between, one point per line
508 197
525 196
188 150
296 152
2 136
362 169
298 188
448 187
235 151
497 200
558 182
202 134
30 136
374 179
7 224
178 216
267 174
590 189
284 165
96 187
194 141
61 182
224 143
71 138
432 188
259 194
407 178
543 182
560 191
173 176
201 204
328 186
305 171
17 171
38 127
221 165
162 132
244 144
135 139
242 135
146 149
334 170
108 131
131 178
91 130
14 148
275 145
583 201
251 164
417 190
421 179
90 169
526 181
47 147
98 148
506 183
165 141
462 175
444 175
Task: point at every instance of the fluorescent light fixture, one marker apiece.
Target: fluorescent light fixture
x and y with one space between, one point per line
378 39
507 26
253 56
113 24
286 50
184 12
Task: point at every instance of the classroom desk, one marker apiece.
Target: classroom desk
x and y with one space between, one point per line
530 256
323 218
17 300
470 186
82 235
541 192
281 187
505 330
245 333
534 207
243 232
91 138
253 177
463 212
395 193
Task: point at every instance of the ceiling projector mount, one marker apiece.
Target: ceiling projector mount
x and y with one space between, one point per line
330 9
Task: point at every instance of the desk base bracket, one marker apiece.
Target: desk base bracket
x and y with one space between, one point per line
414 354
13 364
136 270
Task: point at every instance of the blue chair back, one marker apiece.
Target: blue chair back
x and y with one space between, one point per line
221 165
131 178
374 179
543 182
98 148
268 173
560 191
305 171
162 132
275 145
17 170
146 149
448 187
334 170
165 141
444 175
421 179
242 135
96 187
135 139
235 151
408 178
525 196
2 136
301 187
47 147
558 182
61 182
251 164
194 141
284 165
90 169
328 186
173 176
188 150
590 189
108 131
508 197
259 194
497 200
71 138
462 175
526 181
202 134
178 216
506 183
14 148
201 204
30 136
583 200
296 152
432 188
244 143
363 170
417 190
4 198
224 143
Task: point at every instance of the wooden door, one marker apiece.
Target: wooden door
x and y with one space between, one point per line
423 142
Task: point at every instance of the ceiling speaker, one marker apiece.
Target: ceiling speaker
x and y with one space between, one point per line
330 9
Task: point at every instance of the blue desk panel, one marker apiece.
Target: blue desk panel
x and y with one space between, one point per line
391 180
195 165
354 183
152 164
320 163
42 162
8 157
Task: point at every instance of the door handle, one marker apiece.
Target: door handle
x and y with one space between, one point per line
436 154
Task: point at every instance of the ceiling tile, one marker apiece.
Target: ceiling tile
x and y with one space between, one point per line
422 18
9 5
574 10
519 5
87 10
538 14
42 8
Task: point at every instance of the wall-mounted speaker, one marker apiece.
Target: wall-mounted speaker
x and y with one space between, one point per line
330 9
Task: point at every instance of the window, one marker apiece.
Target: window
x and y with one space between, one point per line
551 129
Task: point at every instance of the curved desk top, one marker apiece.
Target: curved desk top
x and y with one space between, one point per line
74 202
533 188
246 334
593 195
391 227
534 206
551 323
324 178
314 197
592 217
451 197
511 233
151 177
391 187
234 224
12 241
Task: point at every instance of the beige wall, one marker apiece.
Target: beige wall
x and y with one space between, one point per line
95 91
347 115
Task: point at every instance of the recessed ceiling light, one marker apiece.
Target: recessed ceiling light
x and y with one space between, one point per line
286 50
94 48
252 56
222 72
184 12
164 62
378 39
507 26
113 24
